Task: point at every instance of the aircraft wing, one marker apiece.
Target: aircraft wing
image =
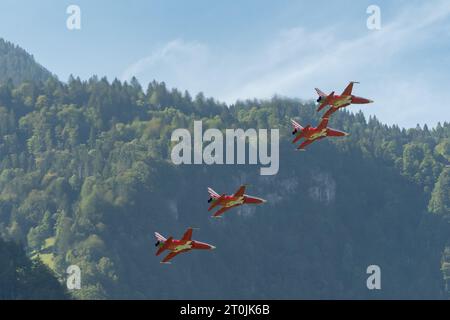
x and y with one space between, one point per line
323 124
214 204
333 110
187 235
304 144
335 133
298 137
240 192
348 89
254 200
223 210
170 256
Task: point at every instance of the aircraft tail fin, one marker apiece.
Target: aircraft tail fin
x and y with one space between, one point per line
320 93
213 194
159 237
296 126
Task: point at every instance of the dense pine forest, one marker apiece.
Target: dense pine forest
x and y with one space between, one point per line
86 178
23 278
17 65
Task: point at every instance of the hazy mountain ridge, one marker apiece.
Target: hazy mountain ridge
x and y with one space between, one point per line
19 66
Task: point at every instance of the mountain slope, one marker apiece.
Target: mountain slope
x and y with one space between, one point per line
87 166
19 66
21 278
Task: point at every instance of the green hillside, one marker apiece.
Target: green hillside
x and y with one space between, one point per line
19 66
22 278
87 165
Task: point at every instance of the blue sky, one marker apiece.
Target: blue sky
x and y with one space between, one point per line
244 49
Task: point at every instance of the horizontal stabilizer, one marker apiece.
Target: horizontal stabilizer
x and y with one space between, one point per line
166 244
326 102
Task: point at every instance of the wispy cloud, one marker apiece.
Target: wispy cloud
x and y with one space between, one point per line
298 59
177 61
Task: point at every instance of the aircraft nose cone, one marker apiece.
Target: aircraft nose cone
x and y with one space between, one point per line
212 247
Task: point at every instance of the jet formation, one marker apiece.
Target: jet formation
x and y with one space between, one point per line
176 247
312 134
336 102
230 201
226 202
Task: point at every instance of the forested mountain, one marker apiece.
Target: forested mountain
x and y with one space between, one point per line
86 178
22 278
16 64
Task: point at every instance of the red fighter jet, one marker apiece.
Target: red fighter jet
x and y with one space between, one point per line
336 102
312 134
178 246
228 202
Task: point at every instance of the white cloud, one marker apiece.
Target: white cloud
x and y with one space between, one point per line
297 60
178 61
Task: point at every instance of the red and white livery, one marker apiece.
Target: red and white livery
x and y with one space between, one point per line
226 202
